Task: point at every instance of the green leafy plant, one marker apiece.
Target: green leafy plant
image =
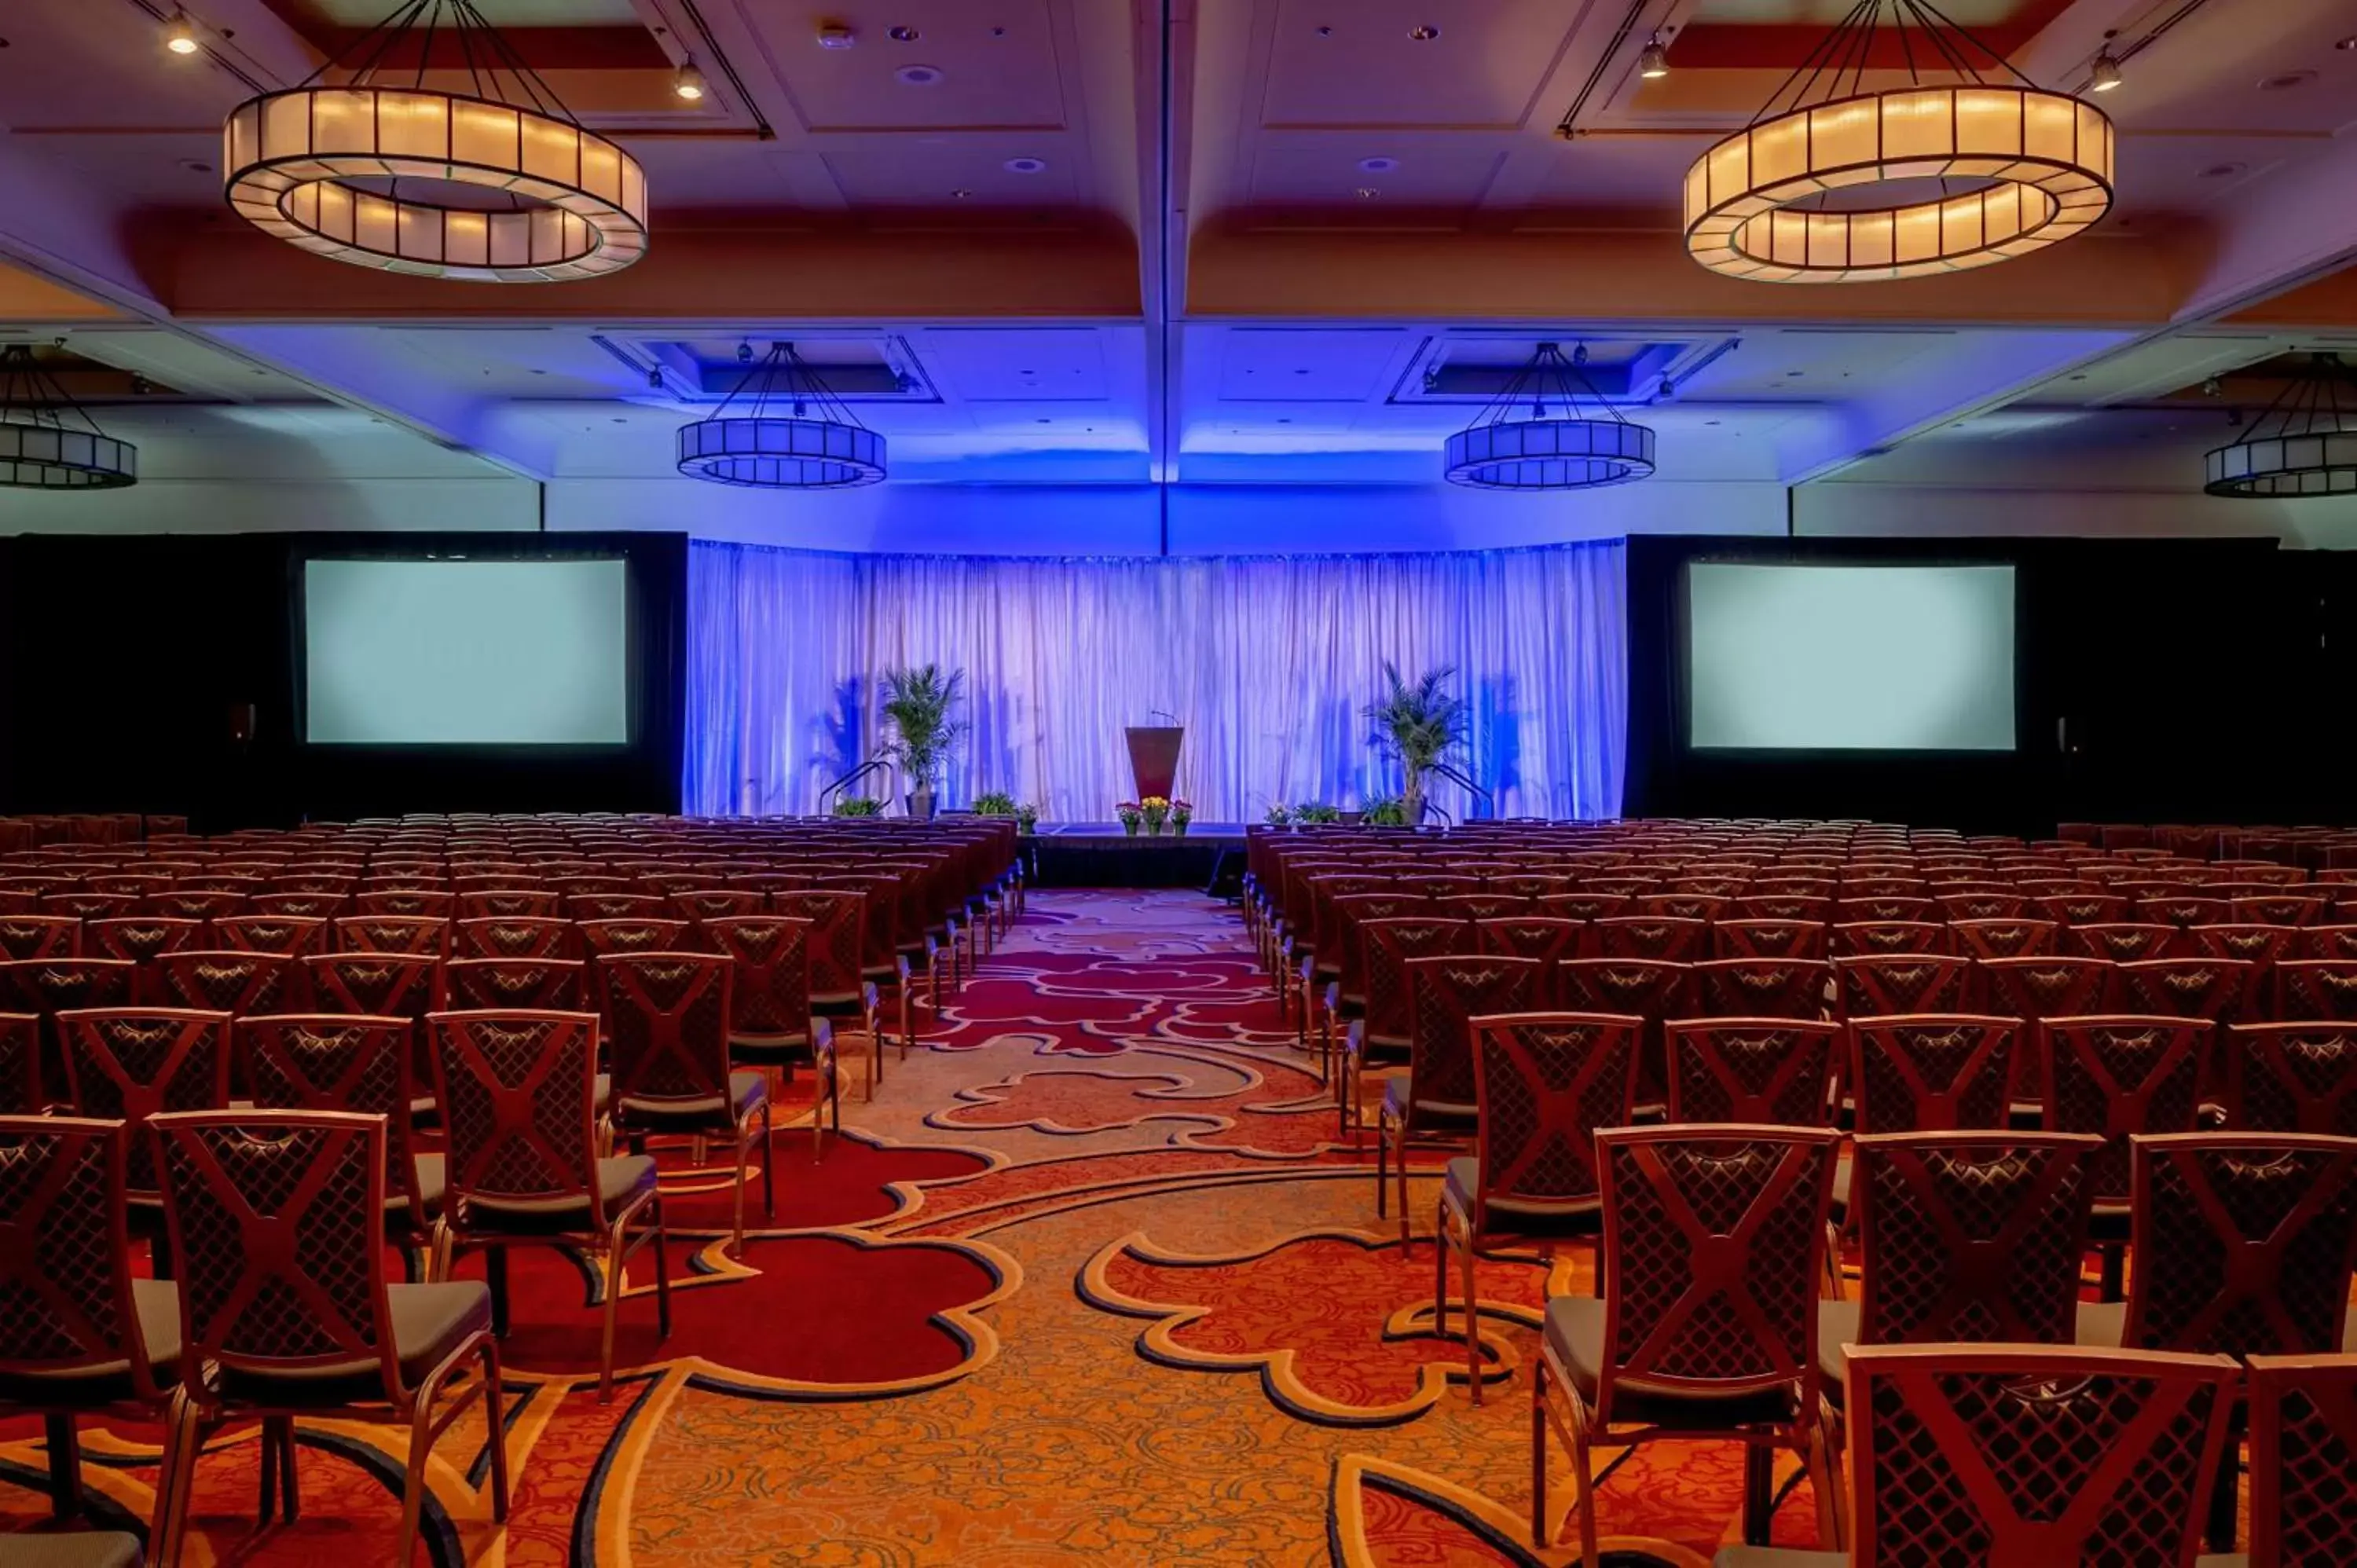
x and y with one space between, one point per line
1279 815
1027 818
1391 811
859 806
1131 816
994 803
1422 723
1311 813
920 701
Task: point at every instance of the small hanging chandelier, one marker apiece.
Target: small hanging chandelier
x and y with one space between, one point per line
47 442
499 185
1545 449
1970 173
819 445
2304 445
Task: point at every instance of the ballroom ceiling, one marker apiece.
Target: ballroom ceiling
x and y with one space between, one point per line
1210 241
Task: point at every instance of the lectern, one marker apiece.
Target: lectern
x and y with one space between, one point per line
1154 759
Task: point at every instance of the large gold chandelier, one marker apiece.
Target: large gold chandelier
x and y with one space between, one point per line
499 184
1831 183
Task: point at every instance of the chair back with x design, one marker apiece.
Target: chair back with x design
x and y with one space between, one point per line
1545 1082
128 1064
2006 1455
519 1092
541 984
2242 1241
515 935
337 1061
771 998
1389 945
2119 1075
227 981
1874 985
1972 1235
1714 1244
63 1251
20 1065
667 1020
2292 1078
1773 1070
1524 935
280 1215
1446 991
1763 988
1931 1071
2303 1461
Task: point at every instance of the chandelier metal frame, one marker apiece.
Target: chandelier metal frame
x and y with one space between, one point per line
2318 459
46 441
577 202
1498 452
2040 163
828 450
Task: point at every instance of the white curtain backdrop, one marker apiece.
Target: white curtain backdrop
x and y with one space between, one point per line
1268 662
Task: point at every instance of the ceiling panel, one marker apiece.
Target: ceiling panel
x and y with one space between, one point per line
968 66
964 174
1042 365
1362 63
1377 172
1285 365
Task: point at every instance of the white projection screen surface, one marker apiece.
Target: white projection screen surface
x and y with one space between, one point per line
1865 658
466 652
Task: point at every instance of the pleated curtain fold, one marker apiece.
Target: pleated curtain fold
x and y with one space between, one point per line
1268 661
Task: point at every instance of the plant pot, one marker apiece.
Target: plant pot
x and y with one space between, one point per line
1129 828
921 804
1179 829
1155 829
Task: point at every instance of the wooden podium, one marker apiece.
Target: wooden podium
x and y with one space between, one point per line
1154 759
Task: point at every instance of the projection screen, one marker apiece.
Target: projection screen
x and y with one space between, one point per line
1849 658
466 652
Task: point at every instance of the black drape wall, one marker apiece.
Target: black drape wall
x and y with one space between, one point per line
158 674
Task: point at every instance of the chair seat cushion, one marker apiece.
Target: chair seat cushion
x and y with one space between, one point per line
838 1004
771 1050
1519 1217
1396 1100
428 1323
2104 1323
74 1549
621 1181
156 1303
433 1179
1837 1327
1574 1342
2108 1220
746 1090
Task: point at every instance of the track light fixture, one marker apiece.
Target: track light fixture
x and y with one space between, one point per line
179 35
1655 63
2104 75
687 83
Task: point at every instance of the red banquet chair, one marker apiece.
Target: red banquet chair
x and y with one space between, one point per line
772 1026
2303 1407
2119 1075
1542 1083
1435 1099
2293 1077
1383 1038
1773 1070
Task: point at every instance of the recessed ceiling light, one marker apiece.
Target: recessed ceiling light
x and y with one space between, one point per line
196 165
1026 166
1424 33
2286 82
919 75
1378 166
836 35
2348 44
2224 171
179 37
902 35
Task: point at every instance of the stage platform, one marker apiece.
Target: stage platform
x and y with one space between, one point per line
1098 854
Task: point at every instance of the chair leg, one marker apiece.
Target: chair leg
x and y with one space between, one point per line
1583 1486
290 1499
65 1467
183 1437
744 1173
2220 1528
413 1476
663 1273
1825 1481
2116 1270
908 1030
1758 1492
613 1302
1538 1454
1441 1239
495 1272
1383 1173
495 1411
1399 1166
267 1464
1472 1308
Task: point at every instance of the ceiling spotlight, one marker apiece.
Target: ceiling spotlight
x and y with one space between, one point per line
687 81
1655 63
1378 165
2105 73
1368 193
1424 33
919 75
836 35
654 380
179 37
1026 165
903 35
2213 388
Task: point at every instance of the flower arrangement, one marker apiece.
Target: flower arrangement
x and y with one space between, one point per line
1279 815
859 806
1027 818
1156 810
1131 814
1181 813
1309 812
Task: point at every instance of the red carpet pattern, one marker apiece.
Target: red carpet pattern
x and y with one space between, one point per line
1090 1280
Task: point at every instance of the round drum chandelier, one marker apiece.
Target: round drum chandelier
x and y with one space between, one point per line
1541 450
2304 445
499 184
1834 183
811 442
47 442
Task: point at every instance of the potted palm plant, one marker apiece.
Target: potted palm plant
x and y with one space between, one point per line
1422 723
920 701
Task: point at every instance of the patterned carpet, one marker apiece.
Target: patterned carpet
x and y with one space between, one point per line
1088 1281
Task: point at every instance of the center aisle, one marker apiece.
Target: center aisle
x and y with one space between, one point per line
1089 1281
